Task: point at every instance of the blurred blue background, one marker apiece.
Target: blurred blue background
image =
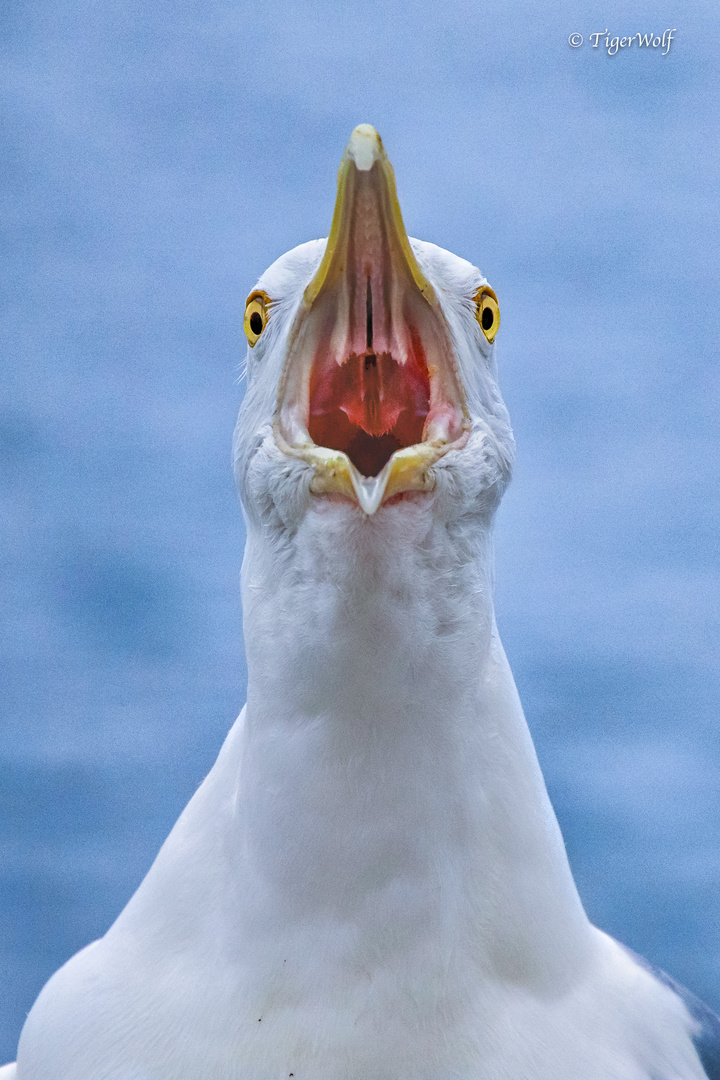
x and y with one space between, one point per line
156 157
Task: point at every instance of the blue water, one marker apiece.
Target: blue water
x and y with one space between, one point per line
156 157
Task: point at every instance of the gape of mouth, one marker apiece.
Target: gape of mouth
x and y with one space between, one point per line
372 403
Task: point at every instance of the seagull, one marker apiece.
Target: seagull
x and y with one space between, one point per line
371 883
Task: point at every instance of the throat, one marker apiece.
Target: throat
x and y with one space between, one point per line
369 407
389 780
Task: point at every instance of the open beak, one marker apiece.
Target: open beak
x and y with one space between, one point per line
370 393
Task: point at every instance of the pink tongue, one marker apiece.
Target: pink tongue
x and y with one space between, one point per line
373 391
369 406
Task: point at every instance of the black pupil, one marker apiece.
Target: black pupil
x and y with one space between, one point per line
256 323
488 318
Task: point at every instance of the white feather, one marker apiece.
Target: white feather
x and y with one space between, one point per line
371 883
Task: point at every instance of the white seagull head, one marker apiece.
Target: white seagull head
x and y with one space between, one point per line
371 369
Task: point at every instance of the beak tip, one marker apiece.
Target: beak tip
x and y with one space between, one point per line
365 147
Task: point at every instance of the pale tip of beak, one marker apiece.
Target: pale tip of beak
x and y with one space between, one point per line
369 490
365 147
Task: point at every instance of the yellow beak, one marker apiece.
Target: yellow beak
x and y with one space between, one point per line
363 153
370 300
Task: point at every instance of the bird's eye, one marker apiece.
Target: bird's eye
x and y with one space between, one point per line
256 316
487 312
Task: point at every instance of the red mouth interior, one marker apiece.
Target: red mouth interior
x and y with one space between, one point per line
370 405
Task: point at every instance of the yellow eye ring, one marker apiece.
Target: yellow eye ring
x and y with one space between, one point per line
256 315
487 312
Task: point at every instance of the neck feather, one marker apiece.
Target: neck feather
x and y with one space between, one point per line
388 769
